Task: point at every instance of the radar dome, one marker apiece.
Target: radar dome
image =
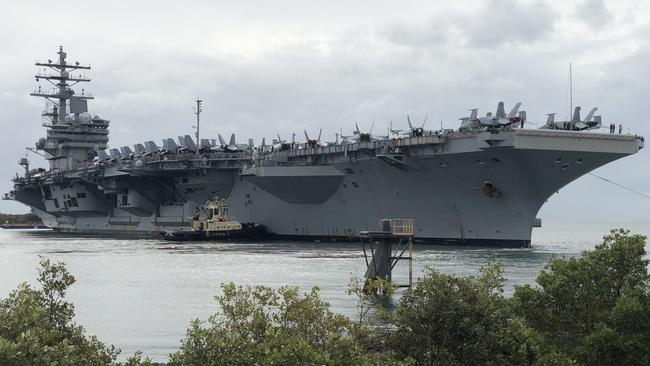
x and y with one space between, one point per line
40 144
139 164
68 118
85 117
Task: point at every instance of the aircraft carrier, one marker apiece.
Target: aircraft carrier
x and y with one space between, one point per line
480 184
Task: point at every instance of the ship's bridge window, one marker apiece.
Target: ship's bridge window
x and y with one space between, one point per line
56 203
125 200
81 195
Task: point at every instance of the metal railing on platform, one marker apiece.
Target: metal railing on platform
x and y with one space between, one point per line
401 227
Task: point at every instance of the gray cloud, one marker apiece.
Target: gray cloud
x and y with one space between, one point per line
594 13
492 24
500 22
435 31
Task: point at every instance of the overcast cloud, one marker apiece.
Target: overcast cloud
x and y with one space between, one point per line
268 67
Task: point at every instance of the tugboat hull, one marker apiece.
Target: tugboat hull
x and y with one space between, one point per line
248 231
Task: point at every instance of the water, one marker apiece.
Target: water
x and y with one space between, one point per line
142 294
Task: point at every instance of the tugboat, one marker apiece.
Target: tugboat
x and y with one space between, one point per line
212 222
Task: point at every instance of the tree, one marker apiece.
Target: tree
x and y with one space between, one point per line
262 326
28 218
594 309
450 320
373 322
259 325
37 328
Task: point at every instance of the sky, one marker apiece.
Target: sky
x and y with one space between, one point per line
267 67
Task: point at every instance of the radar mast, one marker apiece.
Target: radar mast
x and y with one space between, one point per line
62 81
197 111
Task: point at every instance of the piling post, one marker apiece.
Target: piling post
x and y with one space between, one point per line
382 242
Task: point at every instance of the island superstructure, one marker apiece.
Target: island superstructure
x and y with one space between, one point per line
481 184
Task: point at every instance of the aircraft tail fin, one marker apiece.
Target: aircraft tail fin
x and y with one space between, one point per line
599 120
576 115
591 114
522 115
551 118
189 142
501 111
515 109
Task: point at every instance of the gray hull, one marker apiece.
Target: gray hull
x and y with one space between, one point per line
440 185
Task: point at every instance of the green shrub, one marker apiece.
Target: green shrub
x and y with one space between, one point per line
262 326
450 320
595 309
36 326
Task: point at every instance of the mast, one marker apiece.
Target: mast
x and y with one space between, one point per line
570 89
62 81
197 111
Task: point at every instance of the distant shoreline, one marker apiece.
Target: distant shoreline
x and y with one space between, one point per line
21 221
27 226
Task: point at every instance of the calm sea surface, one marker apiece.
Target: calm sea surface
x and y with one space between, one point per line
142 294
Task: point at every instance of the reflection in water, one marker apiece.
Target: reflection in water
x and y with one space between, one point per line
142 293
